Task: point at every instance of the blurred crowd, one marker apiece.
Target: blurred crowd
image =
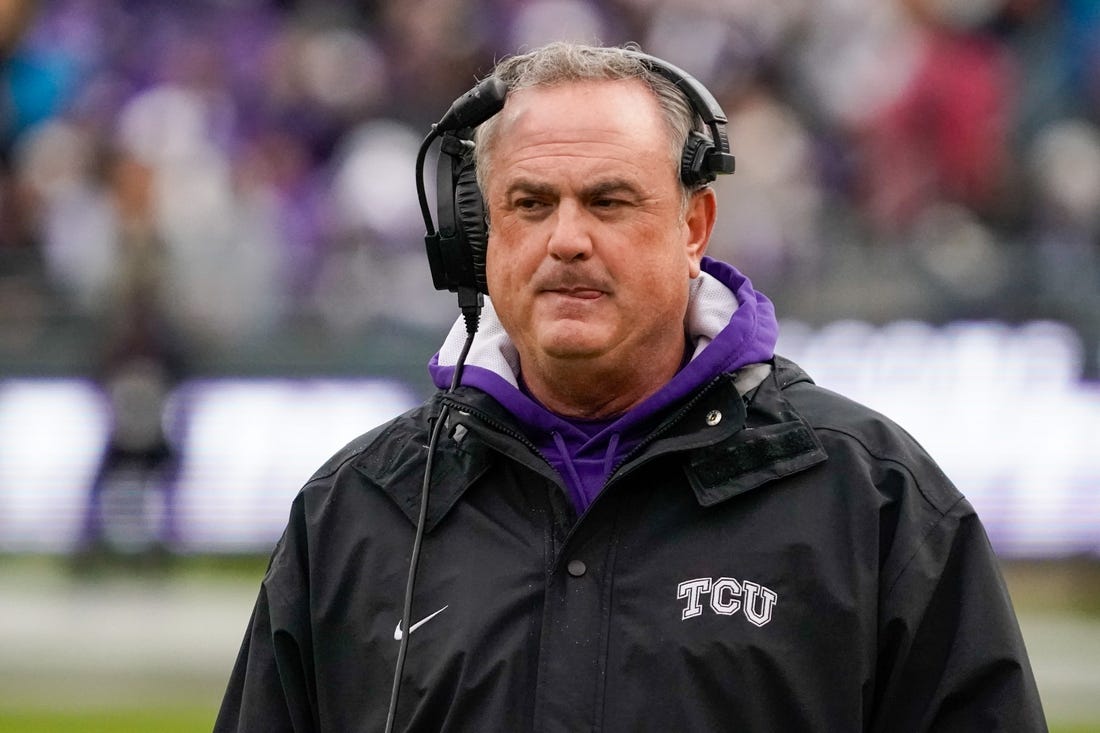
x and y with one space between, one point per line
194 179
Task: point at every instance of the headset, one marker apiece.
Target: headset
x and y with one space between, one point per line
457 248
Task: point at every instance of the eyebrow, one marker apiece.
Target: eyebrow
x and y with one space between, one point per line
614 185
600 188
526 185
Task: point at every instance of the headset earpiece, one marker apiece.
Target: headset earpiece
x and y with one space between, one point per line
702 159
473 222
456 248
456 252
693 161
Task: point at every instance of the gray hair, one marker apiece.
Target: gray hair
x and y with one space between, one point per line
562 62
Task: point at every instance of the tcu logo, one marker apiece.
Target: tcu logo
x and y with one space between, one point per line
726 597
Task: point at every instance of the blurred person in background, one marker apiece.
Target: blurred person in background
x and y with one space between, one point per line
639 517
945 135
28 92
130 510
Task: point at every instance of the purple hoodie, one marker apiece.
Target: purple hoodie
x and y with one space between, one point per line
730 323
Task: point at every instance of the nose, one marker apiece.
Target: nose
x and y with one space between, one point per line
570 238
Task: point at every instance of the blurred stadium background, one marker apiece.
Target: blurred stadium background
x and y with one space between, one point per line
211 277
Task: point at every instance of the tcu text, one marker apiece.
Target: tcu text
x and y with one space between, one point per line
727 596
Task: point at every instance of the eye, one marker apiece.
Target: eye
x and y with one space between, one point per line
612 198
530 206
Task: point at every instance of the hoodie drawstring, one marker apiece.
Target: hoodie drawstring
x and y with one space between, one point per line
567 461
609 457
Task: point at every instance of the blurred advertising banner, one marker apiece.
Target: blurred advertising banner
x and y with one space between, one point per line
239 452
1002 408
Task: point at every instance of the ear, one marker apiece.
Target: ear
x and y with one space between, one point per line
699 219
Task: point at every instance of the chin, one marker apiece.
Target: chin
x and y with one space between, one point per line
573 348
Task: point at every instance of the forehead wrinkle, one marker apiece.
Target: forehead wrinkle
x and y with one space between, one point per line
583 148
522 137
581 160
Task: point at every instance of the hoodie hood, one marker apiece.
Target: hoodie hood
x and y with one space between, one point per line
730 324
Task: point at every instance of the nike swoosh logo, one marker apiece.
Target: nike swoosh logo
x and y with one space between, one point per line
397 632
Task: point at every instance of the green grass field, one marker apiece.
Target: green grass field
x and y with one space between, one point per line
160 720
186 720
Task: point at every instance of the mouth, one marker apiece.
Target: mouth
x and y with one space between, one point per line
578 292
567 285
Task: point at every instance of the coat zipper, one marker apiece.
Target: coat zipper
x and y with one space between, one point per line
496 425
661 430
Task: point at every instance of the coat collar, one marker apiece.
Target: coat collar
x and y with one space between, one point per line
731 444
394 462
774 442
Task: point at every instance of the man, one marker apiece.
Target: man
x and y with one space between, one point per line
640 519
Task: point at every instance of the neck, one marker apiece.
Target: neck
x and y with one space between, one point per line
587 389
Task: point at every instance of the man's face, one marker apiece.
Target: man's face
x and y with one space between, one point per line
590 251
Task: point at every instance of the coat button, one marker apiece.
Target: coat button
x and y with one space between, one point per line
576 568
714 417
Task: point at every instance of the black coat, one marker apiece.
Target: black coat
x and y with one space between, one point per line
787 562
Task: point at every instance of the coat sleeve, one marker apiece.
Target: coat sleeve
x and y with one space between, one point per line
951 655
271 687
